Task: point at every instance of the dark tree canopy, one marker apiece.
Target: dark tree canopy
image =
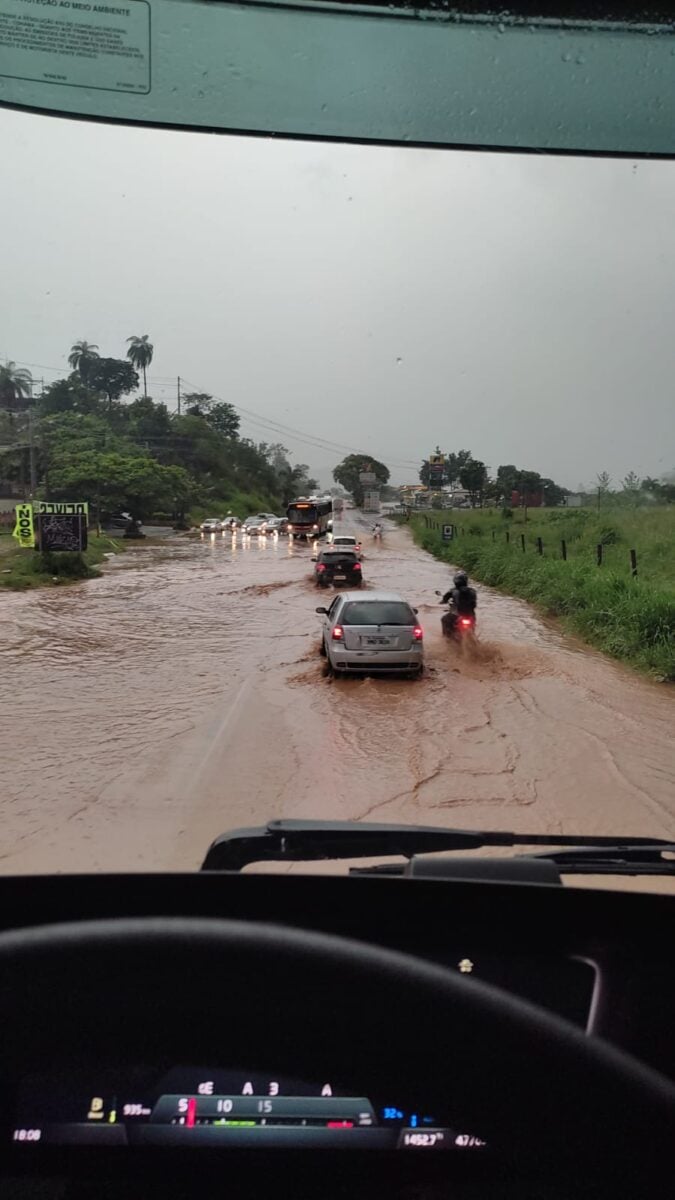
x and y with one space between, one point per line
347 473
473 476
113 376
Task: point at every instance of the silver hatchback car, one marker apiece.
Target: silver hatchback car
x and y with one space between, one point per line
378 632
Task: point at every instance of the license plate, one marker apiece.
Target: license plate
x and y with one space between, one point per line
341 577
376 641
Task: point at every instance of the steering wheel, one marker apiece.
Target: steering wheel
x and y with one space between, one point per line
545 1095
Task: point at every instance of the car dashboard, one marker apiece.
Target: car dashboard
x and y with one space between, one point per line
599 959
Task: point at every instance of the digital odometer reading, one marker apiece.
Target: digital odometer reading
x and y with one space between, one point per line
193 1107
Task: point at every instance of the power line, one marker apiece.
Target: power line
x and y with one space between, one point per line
161 379
316 441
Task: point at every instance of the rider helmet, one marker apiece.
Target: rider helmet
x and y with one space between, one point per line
461 579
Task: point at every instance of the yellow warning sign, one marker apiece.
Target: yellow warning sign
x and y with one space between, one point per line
24 530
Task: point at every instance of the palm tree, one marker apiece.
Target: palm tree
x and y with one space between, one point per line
140 352
81 356
16 384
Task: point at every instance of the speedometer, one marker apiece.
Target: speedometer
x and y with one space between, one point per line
197 1106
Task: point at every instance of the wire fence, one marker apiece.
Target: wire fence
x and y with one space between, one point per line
556 548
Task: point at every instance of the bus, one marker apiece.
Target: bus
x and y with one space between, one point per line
310 517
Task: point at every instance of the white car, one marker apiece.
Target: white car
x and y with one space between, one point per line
254 527
377 632
345 541
211 525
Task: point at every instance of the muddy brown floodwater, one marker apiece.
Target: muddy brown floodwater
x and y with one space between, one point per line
182 694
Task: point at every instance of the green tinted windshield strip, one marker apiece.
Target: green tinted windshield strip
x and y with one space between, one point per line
364 75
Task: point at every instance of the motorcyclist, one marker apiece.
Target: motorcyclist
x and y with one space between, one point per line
377 530
461 598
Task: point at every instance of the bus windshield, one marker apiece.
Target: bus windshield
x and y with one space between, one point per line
302 514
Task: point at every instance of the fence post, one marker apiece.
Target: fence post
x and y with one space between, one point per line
493 535
508 536
522 542
633 564
462 531
563 549
540 546
599 553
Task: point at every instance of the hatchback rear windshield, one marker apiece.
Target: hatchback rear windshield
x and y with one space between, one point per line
377 612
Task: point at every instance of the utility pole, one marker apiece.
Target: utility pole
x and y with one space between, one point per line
178 393
31 454
98 489
31 444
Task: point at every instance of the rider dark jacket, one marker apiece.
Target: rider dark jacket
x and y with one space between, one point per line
463 599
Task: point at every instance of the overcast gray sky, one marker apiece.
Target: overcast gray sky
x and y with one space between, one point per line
385 299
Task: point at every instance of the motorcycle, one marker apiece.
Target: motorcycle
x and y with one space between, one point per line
460 626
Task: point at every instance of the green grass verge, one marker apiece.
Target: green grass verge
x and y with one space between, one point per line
631 619
24 569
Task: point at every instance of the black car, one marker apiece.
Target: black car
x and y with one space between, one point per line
338 567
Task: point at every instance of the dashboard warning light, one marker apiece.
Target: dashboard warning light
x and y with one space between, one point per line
465 965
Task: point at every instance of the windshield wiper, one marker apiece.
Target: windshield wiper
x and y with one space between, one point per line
315 841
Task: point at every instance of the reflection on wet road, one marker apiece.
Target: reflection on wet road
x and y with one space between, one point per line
182 694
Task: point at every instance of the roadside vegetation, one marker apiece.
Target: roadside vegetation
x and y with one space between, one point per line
24 569
630 618
83 438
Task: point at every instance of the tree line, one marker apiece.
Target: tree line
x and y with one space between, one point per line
82 438
632 490
460 467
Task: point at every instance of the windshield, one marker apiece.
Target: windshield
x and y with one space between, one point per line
479 344
300 515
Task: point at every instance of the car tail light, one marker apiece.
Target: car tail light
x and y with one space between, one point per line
466 622
320 567
356 566
338 633
418 633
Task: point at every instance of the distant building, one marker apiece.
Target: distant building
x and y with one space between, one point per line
527 499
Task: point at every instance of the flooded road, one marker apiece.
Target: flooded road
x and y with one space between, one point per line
182 694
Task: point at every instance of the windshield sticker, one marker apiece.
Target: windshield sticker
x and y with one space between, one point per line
77 44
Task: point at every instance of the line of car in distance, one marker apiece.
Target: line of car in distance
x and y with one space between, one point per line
258 525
